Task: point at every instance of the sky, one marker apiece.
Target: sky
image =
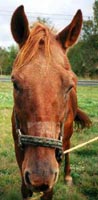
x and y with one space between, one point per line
59 13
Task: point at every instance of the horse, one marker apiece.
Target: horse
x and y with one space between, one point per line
45 102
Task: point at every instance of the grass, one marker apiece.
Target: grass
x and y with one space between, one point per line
84 162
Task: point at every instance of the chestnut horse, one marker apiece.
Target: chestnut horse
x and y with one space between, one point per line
45 102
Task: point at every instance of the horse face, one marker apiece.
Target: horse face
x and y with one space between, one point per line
42 81
40 96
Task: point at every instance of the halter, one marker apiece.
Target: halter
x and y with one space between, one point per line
35 141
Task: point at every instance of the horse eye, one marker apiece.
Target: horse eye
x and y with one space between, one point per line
16 84
16 87
68 90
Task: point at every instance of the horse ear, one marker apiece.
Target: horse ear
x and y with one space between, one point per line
68 36
19 26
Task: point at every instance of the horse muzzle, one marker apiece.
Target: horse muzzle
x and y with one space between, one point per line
40 181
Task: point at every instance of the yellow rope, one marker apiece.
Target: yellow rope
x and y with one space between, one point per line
80 145
36 196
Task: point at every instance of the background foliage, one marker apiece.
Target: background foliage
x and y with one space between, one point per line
84 56
7 57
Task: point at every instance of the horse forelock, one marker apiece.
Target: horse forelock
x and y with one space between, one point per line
39 35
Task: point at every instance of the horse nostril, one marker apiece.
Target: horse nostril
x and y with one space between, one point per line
27 177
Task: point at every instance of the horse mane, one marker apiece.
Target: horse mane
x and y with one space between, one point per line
39 35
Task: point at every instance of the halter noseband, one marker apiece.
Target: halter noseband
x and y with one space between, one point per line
35 141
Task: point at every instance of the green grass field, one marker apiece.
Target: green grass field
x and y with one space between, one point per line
84 162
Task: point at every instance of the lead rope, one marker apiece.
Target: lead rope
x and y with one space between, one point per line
80 145
36 196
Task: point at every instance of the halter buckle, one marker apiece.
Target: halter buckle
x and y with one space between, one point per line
18 131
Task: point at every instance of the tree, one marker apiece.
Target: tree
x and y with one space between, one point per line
95 10
12 52
90 26
3 59
7 57
88 29
84 56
